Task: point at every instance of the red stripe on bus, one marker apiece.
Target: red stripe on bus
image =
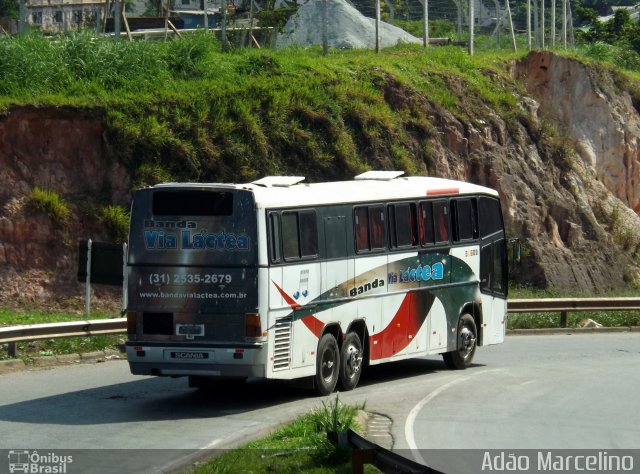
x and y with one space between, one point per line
313 324
403 327
442 192
288 299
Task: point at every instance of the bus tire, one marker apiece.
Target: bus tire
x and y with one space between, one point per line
467 338
327 365
350 361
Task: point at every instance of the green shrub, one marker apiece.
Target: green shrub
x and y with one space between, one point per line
49 202
116 222
334 417
149 174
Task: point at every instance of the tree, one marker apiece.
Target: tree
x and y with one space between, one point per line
9 9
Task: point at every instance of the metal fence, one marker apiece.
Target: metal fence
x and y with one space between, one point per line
13 334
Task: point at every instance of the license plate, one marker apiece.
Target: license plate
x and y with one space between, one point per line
190 355
190 330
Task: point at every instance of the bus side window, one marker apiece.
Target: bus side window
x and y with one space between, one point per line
463 219
362 229
369 228
299 235
427 236
274 237
308 234
490 221
376 216
441 214
290 247
402 225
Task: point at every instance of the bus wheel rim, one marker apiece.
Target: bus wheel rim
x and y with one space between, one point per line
328 365
354 361
467 342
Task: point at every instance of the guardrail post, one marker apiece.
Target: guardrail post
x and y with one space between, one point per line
87 297
360 457
125 302
563 319
12 349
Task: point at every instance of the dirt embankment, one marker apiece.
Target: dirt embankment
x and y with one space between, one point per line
569 201
62 150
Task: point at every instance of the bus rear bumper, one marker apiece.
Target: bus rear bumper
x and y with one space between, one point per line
205 361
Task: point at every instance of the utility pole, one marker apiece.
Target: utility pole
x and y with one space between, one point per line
496 4
325 39
553 23
572 38
529 24
223 26
116 18
425 26
542 23
460 15
471 25
513 33
22 15
536 23
564 24
377 26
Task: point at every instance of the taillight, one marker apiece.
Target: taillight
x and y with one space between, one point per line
132 322
252 326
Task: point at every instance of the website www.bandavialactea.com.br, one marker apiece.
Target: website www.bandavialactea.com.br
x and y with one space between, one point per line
193 295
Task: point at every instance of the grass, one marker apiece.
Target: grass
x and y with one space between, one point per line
188 111
49 202
10 317
299 447
49 347
115 220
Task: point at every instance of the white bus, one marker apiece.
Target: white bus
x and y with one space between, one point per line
283 280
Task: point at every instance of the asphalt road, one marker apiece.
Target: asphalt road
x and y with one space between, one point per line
557 391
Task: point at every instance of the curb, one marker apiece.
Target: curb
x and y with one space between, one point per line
16 365
551 331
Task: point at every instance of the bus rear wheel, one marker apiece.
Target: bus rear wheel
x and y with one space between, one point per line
327 365
350 361
462 357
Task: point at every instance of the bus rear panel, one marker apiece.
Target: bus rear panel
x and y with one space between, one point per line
192 276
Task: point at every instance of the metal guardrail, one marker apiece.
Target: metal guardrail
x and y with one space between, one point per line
364 452
567 305
97 327
37 332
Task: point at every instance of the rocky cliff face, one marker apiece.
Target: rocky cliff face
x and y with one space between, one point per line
567 173
63 150
594 113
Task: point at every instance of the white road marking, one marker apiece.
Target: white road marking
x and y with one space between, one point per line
411 418
212 443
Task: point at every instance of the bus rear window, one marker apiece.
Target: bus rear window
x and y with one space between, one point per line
192 203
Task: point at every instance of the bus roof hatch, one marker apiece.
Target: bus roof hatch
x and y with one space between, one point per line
282 181
380 175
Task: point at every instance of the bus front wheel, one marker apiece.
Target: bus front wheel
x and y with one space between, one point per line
350 361
327 365
467 339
